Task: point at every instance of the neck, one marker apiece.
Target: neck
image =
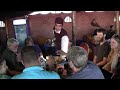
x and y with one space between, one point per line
31 64
76 70
102 42
57 31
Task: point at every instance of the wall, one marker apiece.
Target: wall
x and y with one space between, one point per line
10 27
83 22
41 25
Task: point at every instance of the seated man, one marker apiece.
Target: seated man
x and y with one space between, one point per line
81 66
102 49
3 69
33 70
10 54
29 42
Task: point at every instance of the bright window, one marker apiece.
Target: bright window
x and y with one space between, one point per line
19 22
115 19
68 19
2 24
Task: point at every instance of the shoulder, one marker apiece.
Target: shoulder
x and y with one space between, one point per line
36 46
5 51
92 67
94 71
64 31
8 53
53 74
106 43
19 76
5 77
65 37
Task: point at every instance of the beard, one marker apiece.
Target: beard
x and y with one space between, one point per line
100 39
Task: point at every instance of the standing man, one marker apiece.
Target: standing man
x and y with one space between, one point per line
62 40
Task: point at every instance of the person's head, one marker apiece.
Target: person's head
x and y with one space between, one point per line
115 41
3 66
58 23
77 57
13 44
29 42
29 56
101 33
111 26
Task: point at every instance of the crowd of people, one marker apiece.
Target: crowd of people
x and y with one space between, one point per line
98 59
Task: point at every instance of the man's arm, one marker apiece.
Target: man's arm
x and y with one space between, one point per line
106 52
103 62
95 59
64 43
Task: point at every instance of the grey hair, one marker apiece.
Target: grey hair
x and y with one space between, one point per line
11 41
78 56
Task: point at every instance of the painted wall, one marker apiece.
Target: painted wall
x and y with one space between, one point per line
41 25
83 22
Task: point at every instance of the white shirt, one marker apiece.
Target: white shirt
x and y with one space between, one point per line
57 31
64 42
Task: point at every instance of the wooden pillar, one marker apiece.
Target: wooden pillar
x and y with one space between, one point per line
117 22
6 28
73 27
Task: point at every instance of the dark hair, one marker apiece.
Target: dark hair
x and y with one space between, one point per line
27 40
59 20
54 28
101 30
29 54
111 26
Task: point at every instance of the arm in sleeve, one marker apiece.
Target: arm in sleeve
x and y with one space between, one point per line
64 43
107 50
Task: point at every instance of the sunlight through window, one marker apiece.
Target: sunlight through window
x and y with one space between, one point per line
19 22
68 19
2 24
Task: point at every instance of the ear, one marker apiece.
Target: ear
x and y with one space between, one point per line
22 62
71 64
39 59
